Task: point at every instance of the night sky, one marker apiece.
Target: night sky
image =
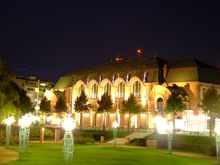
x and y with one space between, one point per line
52 38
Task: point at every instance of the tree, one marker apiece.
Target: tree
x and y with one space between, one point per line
211 104
9 100
25 103
81 105
105 106
61 105
131 107
45 105
175 102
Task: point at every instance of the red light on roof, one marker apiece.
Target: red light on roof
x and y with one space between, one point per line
139 52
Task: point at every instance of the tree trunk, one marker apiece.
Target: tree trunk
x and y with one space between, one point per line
44 118
109 125
174 125
95 120
104 120
128 126
81 120
211 123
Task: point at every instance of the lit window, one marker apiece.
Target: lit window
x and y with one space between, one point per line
107 89
121 90
81 88
136 89
94 91
159 104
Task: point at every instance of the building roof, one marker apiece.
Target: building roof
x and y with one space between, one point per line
134 67
153 68
192 70
64 82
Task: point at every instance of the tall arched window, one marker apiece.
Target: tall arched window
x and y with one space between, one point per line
136 89
80 89
107 89
121 90
94 91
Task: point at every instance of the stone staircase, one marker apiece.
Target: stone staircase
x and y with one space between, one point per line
127 139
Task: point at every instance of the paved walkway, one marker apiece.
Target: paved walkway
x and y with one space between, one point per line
7 155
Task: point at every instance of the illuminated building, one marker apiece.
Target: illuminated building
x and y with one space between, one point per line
149 80
31 85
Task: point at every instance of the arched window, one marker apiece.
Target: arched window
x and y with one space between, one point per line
136 89
159 104
94 91
107 89
186 102
121 90
81 88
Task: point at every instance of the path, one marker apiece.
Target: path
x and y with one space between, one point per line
7 155
191 154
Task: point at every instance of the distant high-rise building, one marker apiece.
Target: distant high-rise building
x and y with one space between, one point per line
34 87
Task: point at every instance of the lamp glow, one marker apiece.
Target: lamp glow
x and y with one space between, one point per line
37 107
25 121
68 141
160 123
10 120
58 121
115 126
68 124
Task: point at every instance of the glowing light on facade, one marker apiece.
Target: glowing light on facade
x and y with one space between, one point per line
134 121
160 123
86 114
126 115
143 116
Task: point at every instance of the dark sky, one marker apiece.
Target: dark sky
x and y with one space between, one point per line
53 38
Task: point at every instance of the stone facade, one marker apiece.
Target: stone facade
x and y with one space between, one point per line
149 80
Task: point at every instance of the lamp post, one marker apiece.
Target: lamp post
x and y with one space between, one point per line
24 124
68 141
37 90
8 123
169 137
115 126
217 141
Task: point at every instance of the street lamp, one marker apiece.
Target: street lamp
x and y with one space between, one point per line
68 141
217 141
8 123
115 126
24 130
169 137
37 90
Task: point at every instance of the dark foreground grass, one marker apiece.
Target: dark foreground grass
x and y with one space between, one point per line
51 154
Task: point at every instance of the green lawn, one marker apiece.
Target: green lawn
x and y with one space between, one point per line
51 154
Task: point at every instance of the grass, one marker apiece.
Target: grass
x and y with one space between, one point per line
51 154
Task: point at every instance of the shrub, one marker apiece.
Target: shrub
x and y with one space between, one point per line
202 144
35 132
81 140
